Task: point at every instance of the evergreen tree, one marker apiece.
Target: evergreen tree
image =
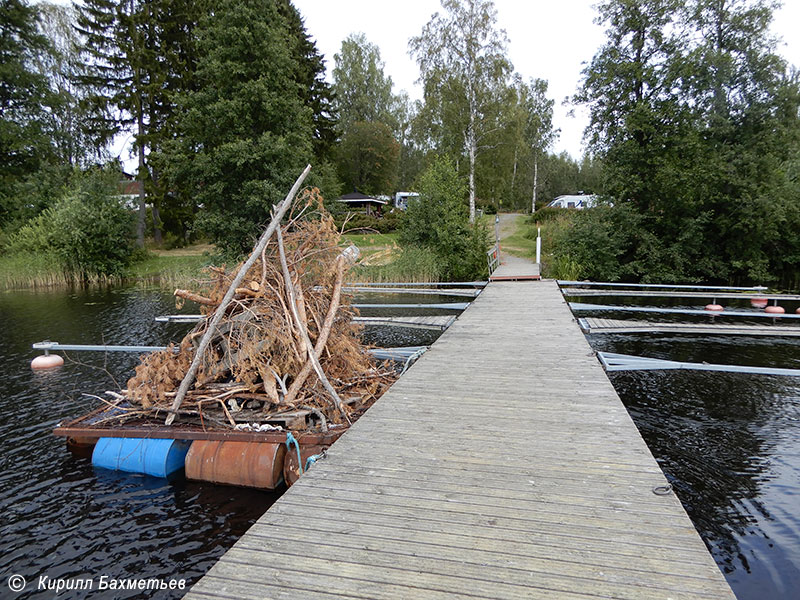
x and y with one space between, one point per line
316 93
245 130
23 145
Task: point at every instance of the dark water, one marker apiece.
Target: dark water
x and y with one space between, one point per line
729 443
61 518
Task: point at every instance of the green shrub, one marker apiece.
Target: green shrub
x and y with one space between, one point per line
87 230
439 221
353 222
548 213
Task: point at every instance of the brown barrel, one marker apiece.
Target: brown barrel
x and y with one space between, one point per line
247 464
291 472
81 446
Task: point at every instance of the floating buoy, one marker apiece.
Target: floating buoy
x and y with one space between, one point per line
778 310
47 361
797 311
759 302
714 307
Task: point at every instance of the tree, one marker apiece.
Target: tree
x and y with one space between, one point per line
23 145
317 94
363 92
368 158
462 59
695 119
139 54
60 64
245 131
438 221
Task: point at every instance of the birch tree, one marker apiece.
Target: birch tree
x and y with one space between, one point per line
462 60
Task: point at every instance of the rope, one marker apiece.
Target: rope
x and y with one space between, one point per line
312 459
290 439
412 359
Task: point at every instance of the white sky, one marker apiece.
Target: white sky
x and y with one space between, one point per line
548 39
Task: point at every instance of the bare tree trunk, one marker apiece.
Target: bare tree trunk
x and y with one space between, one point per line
140 177
471 144
535 181
514 177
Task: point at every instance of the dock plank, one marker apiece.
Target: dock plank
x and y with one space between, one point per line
493 468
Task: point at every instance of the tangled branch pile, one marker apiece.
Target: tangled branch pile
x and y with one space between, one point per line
286 350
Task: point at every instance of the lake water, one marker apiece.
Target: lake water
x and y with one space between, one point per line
61 518
730 443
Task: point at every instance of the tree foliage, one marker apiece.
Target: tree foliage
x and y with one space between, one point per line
464 70
439 221
695 118
23 142
363 91
368 158
245 131
87 231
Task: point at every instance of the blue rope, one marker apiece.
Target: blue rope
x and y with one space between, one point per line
290 439
312 459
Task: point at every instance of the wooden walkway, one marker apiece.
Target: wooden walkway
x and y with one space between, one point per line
501 465
595 325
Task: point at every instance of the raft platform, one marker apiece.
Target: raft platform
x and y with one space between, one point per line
594 325
501 465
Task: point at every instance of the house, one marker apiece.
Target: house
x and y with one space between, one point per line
401 199
578 201
370 205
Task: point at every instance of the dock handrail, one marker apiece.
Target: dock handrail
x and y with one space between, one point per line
493 258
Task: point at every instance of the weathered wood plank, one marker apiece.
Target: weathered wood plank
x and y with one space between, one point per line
501 465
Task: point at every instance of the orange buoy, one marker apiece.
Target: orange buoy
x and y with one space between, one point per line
759 302
47 361
797 311
714 307
778 310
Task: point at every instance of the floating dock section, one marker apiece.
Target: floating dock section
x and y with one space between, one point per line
501 465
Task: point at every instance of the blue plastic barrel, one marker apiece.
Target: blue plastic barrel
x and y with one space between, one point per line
154 457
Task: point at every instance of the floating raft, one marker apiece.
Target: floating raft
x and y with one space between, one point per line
626 362
438 323
594 325
434 322
670 294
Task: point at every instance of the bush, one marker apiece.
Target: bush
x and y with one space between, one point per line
548 213
87 230
354 221
439 221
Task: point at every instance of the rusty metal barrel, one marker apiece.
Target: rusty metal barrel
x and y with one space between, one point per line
291 471
246 464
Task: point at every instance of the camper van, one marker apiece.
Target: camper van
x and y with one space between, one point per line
578 201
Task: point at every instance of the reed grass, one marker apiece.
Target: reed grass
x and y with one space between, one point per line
25 270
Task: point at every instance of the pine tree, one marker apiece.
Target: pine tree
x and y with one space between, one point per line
23 145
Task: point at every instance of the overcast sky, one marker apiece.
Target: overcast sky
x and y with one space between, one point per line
549 39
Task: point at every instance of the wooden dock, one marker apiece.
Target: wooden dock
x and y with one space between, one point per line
501 465
595 325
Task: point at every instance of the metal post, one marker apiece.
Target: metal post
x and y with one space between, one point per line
539 246
497 229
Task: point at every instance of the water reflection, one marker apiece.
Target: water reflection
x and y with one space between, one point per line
62 517
730 445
